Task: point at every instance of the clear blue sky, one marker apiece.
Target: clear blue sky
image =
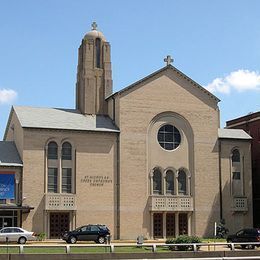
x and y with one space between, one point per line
216 43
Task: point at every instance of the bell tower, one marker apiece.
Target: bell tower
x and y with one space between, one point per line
94 74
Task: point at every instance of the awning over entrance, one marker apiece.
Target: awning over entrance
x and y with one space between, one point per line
23 209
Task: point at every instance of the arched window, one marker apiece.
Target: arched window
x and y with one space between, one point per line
66 151
236 156
98 53
157 182
169 182
236 173
52 150
182 183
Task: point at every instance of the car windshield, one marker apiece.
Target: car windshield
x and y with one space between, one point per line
77 229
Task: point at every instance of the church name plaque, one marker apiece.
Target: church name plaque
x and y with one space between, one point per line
96 180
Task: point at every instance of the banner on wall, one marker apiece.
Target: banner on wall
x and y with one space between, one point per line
7 184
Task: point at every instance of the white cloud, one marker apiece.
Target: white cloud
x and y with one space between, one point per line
7 96
240 80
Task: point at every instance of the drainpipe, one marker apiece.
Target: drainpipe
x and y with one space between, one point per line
117 177
220 179
118 187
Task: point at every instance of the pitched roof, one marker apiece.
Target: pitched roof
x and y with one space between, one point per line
161 70
243 119
233 134
9 155
59 118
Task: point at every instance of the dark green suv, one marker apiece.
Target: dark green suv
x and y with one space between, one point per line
97 233
244 236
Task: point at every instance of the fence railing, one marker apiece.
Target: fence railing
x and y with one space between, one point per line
111 248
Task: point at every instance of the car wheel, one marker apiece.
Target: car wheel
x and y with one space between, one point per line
101 240
22 240
72 240
251 246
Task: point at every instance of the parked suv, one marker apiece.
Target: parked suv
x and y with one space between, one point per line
245 235
97 233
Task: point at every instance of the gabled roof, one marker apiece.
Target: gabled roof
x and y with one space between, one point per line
233 134
65 119
168 67
9 155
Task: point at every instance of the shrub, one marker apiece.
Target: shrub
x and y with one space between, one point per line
170 241
183 239
41 236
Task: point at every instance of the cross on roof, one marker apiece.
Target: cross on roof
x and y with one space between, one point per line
168 60
94 26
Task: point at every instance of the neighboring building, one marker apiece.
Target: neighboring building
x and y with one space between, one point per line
251 124
11 208
149 159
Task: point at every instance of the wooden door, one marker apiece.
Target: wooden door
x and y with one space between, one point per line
170 225
183 224
59 223
158 225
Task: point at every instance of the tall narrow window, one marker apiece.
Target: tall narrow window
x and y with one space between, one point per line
170 182
236 173
98 53
53 180
66 151
235 156
52 151
66 180
182 183
157 182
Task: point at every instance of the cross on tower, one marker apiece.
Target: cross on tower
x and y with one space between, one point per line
168 60
94 26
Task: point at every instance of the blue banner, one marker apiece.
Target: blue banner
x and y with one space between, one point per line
7 184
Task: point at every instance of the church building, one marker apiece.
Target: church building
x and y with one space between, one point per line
147 160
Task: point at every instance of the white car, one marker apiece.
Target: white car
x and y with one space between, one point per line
16 234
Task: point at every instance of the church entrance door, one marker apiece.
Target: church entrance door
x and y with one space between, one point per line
183 224
59 223
170 225
158 225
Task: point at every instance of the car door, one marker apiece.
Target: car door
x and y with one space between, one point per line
83 234
251 235
240 236
3 235
94 233
7 235
16 234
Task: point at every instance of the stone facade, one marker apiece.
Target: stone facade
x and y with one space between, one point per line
122 174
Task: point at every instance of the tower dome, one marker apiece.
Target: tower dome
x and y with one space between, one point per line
94 33
94 74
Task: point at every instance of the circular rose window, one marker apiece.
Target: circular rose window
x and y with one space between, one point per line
169 137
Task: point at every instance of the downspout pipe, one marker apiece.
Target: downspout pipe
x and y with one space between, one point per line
117 176
220 180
